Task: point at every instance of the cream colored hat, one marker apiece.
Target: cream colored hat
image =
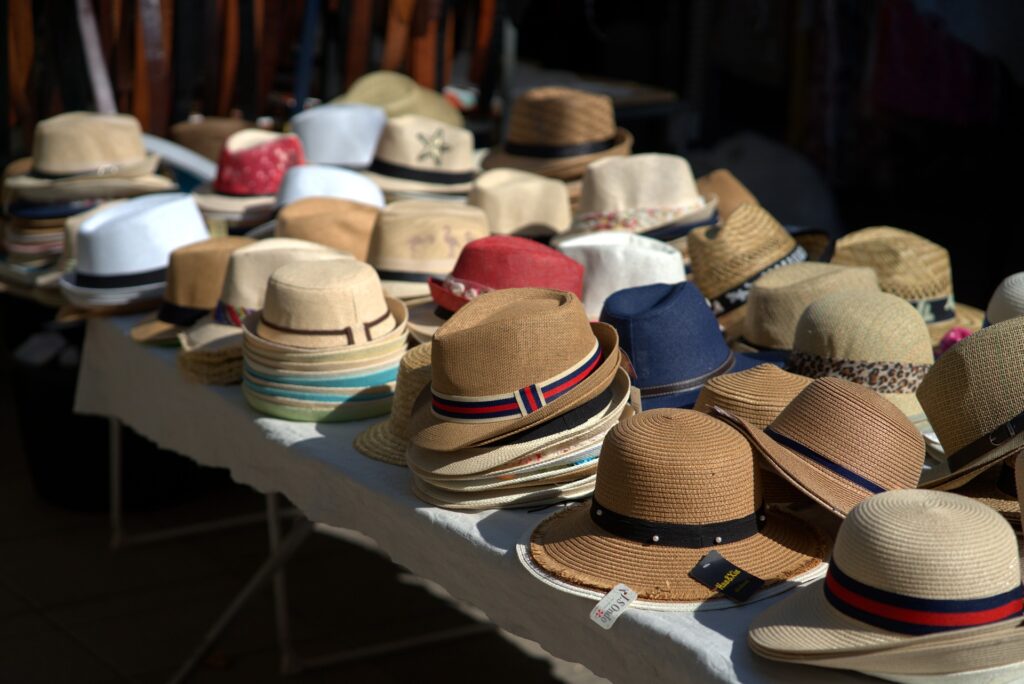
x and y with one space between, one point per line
398 94
522 203
419 154
337 223
417 239
1007 301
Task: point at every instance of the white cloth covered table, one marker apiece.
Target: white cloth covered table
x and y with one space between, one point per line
472 555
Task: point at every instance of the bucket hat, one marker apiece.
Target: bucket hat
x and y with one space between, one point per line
340 134
319 180
206 134
337 223
1007 301
419 154
522 203
731 193
399 94
557 132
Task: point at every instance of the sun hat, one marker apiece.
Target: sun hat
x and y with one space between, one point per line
919 582
318 180
341 224
522 203
839 443
874 339
673 485
206 134
417 239
557 132
731 193
510 360
195 278
340 134
419 154
913 267
123 251
653 194
673 341
1007 301
399 94
974 401
496 262
997 488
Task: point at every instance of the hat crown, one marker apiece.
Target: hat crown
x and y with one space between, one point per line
554 115
503 261
343 134
757 395
421 236
413 376
79 142
677 466
250 268
649 180
515 200
337 223
253 162
1008 299
196 273
908 265
317 180
421 143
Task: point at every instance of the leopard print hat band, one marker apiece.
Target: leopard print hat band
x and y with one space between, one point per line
885 377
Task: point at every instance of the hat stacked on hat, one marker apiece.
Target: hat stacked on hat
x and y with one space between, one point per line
206 134
998 489
421 156
340 134
731 193
326 346
341 224
522 203
319 180
399 94
33 239
1007 301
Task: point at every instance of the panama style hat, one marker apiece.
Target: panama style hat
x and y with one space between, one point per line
318 180
919 582
340 134
1007 301
839 443
399 94
522 203
731 193
206 134
419 154
557 132
912 267
337 223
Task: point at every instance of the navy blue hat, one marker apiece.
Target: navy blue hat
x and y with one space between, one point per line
672 339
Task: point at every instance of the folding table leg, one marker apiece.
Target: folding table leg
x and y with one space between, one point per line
114 451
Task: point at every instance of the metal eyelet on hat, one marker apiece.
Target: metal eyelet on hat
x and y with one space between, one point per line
655 539
718 540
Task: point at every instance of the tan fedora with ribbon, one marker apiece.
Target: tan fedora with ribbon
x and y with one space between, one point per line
419 154
341 224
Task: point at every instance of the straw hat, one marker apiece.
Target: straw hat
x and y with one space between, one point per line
972 397
497 262
914 268
919 582
522 203
1007 301
317 180
398 94
839 443
997 489
206 134
507 361
387 441
671 486
524 497
415 240
340 134
557 132
654 194
872 338
337 223
731 193
419 154
195 278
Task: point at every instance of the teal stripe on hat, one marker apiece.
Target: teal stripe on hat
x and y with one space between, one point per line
312 396
382 377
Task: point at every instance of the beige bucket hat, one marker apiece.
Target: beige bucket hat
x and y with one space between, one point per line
420 154
1007 301
731 193
522 203
398 94
337 223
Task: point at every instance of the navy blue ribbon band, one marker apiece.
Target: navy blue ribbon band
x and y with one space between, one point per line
674 231
986 443
560 424
179 315
442 177
130 280
405 276
737 296
825 462
557 151
935 310
690 383
676 534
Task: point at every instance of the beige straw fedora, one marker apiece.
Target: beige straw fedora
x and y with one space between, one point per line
510 360
557 132
839 443
398 94
874 339
337 223
522 203
672 485
919 582
1007 301
731 193
419 154
912 267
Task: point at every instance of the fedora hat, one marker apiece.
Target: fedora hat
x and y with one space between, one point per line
617 260
839 443
491 380
318 180
913 267
85 155
399 94
420 154
874 339
1007 301
340 134
653 194
417 239
341 224
123 251
206 134
731 193
973 402
557 132
522 203
195 278
673 341
919 582
673 485
497 262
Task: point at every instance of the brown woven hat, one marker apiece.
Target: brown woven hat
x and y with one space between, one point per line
557 131
730 191
206 135
508 360
912 267
974 399
839 443
337 223
673 484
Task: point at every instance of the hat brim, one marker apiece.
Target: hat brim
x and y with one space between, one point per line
104 298
984 489
566 168
380 443
317 411
391 184
248 207
423 318
212 339
958 478
688 398
522 497
155 331
223 371
72 188
966 316
818 244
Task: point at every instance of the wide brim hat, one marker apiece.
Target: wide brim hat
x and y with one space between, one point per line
566 168
152 330
522 497
90 297
83 187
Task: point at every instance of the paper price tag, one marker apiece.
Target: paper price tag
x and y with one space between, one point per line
715 572
614 604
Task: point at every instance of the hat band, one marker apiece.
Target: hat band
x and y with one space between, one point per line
398 171
129 170
935 310
405 276
516 404
130 280
825 462
674 231
986 443
660 223
226 314
570 420
179 315
737 296
675 534
690 384
886 377
556 151
345 332
914 615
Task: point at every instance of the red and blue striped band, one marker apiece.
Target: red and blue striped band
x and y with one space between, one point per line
522 402
226 314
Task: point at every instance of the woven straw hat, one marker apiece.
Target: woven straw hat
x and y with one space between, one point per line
340 224
914 268
507 361
419 154
522 203
915 578
1007 301
997 489
872 338
839 443
973 399
557 132
731 193
522 497
399 94
668 482
206 134
417 239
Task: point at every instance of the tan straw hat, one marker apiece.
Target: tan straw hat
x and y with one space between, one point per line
557 132
731 193
672 485
912 267
839 443
874 339
919 582
343 225
206 135
419 154
398 94
522 203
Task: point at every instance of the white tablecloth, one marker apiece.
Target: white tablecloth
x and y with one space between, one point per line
471 555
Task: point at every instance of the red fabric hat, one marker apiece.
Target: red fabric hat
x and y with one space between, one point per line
500 262
257 169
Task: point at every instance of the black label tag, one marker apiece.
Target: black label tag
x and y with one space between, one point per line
715 572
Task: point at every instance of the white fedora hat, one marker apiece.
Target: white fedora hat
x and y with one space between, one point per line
1007 301
340 134
317 180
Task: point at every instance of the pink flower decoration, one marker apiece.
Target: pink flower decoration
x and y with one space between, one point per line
952 337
